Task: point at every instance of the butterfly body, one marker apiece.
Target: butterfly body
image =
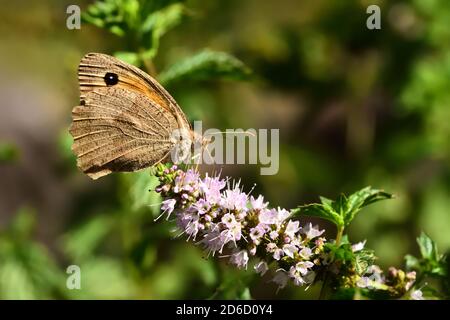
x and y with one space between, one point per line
125 120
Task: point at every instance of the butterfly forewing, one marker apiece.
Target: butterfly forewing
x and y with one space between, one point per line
95 66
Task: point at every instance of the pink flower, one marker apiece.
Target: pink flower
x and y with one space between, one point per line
311 232
306 253
417 295
258 203
358 246
257 232
290 250
235 199
269 216
168 206
303 266
211 188
277 254
240 259
292 228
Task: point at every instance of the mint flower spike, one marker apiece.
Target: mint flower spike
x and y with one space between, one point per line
226 220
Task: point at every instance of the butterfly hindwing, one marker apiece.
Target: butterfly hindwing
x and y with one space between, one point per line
117 129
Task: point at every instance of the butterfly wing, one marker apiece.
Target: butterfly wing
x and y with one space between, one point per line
91 76
117 129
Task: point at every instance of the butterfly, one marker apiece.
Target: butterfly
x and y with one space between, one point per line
126 120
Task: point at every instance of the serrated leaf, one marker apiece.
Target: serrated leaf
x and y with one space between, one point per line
428 248
318 210
360 199
206 65
326 202
340 206
343 210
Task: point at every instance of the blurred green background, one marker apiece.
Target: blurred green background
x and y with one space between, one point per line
355 107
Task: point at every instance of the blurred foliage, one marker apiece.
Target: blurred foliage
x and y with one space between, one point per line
431 265
8 153
354 107
27 271
205 65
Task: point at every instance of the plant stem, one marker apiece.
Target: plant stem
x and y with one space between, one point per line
340 232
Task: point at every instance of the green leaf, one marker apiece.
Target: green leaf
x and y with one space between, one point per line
342 252
340 206
431 262
358 200
204 65
319 210
326 202
428 248
344 209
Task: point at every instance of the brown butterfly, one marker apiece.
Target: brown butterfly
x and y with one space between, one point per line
125 120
